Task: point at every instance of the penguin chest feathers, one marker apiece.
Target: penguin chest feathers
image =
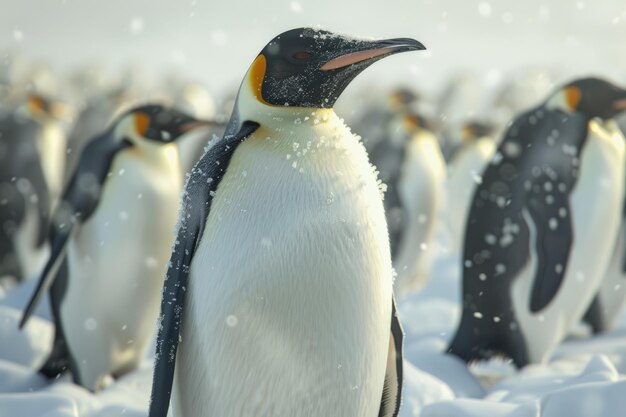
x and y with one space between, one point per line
290 287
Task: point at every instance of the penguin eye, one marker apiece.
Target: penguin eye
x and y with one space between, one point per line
302 56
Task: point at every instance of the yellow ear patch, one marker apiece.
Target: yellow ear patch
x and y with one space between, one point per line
257 75
142 122
36 103
572 97
411 123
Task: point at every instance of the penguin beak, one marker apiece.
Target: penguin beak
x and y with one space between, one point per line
372 50
620 105
195 124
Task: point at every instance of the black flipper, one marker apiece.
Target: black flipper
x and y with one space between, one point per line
59 359
553 242
196 204
78 203
392 390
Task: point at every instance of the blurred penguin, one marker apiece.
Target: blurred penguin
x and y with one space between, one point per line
420 193
373 123
24 199
110 241
51 140
464 173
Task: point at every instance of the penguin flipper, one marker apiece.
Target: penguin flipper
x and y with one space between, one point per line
392 390
78 203
554 236
57 256
200 187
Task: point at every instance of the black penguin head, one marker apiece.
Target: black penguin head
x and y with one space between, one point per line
401 98
476 129
156 123
594 97
310 68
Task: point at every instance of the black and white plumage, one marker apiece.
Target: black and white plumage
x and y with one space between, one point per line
278 299
110 239
542 225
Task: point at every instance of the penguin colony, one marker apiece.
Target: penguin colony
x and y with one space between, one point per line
270 234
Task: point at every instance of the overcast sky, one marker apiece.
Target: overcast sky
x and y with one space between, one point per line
214 42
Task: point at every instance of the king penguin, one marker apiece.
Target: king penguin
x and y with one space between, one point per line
420 189
110 241
542 225
278 299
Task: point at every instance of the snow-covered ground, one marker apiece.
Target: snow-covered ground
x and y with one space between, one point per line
585 377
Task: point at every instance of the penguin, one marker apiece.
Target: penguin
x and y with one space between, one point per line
542 225
110 241
51 141
464 173
388 156
278 299
380 109
24 199
420 194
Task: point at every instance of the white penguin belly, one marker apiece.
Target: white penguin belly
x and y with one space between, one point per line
289 303
612 292
463 177
117 262
53 148
595 207
421 190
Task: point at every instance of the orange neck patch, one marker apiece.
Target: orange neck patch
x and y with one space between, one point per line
572 97
257 75
142 122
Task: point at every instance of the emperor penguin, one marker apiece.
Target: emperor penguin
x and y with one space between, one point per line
278 298
420 189
51 141
542 225
110 241
24 200
465 169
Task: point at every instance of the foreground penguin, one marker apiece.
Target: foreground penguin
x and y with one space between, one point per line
24 199
542 225
111 239
279 288
420 193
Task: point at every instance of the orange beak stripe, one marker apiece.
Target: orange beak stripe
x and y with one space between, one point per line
620 104
353 58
